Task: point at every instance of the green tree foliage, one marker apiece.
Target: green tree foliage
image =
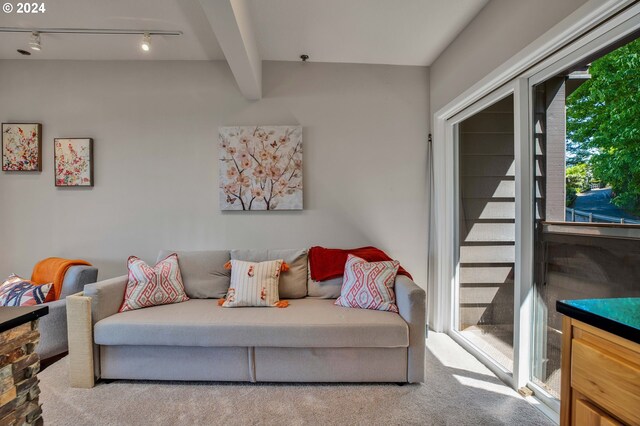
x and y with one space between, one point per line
571 194
577 181
603 123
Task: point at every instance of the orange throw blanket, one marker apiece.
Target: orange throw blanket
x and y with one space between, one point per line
52 270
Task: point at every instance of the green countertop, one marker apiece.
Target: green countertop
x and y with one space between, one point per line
617 316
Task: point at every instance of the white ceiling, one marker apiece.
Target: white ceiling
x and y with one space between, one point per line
400 32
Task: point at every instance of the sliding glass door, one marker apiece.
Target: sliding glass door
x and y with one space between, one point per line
490 208
588 208
486 231
535 162
514 172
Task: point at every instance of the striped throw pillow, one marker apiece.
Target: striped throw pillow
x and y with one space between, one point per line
17 291
369 285
253 283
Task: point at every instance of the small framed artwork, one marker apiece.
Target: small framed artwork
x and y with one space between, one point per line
73 161
21 147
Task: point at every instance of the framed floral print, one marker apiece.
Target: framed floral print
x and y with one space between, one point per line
260 168
21 147
73 160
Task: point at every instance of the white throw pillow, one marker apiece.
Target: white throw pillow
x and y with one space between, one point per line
253 283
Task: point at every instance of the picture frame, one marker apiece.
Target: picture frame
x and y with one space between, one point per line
260 168
73 162
21 147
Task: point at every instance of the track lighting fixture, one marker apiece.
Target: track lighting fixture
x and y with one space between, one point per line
34 44
146 42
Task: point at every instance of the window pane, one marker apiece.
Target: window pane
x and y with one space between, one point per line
487 230
587 162
603 138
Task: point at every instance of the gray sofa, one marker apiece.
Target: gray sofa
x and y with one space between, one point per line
312 340
53 326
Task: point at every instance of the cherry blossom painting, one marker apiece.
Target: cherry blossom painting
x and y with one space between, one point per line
73 162
21 147
260 168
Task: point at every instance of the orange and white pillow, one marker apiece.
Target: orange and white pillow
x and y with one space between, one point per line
254 284
369 285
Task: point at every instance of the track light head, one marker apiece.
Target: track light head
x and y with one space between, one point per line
146 42
34 44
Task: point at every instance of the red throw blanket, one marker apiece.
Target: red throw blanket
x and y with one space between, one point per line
329 263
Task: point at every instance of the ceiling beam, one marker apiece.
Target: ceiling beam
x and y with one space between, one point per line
232 26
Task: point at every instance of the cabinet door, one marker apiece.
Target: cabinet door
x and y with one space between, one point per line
587 414
607 376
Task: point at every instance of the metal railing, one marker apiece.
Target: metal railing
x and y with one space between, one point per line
574 215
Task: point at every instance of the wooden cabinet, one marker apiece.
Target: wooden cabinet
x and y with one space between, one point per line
588 414
600 377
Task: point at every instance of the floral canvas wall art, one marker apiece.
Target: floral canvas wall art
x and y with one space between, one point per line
260 168
21 147
73 162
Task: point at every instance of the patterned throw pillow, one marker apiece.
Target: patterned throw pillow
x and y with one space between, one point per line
16 291
253 284
369 285
151 286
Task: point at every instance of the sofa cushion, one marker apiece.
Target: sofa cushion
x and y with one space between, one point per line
329 289
305 323
203 272
293 283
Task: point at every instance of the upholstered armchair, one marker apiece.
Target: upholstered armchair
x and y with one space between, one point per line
53 327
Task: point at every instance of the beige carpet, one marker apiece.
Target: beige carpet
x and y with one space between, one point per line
459 391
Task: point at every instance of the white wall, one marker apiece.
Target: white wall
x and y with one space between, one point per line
500 30
155 125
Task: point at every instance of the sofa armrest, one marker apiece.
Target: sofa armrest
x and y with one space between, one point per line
53 330
411 300
106 297
98 301
81 347
76 277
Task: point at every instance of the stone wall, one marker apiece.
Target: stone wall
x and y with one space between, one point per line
19 365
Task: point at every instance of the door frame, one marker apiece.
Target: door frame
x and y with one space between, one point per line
531 59
523 233
572 37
